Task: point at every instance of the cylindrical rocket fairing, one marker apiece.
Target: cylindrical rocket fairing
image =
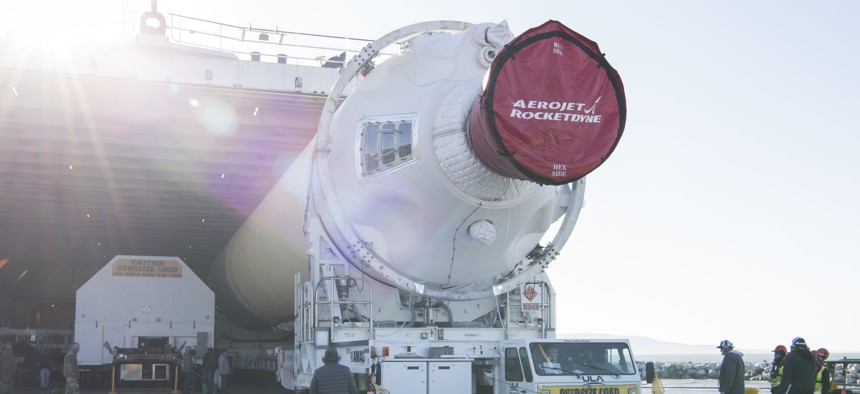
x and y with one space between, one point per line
392 185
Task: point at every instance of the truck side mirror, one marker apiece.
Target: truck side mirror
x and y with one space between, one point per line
649 372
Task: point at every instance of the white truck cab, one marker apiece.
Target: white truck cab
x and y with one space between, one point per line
567 366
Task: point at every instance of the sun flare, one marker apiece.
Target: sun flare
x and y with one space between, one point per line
60 21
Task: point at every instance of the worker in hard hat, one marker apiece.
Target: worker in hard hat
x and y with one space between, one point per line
779 353
822 374
799 370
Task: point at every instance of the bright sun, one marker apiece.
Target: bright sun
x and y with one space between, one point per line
54 20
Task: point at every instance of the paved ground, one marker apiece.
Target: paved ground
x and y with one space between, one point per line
245 383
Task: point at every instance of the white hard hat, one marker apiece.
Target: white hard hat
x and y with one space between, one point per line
725 343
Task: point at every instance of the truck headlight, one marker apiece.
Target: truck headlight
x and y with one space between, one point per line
633 390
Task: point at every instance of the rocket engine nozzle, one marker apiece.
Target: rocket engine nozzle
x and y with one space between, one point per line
552 109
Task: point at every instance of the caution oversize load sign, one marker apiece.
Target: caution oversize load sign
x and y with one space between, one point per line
586 390
155 268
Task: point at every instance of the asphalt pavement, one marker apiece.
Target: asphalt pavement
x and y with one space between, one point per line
245 382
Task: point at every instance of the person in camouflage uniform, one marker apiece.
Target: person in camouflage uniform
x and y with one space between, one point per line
8 366
70 369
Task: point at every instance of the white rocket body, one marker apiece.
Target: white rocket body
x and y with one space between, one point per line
391 185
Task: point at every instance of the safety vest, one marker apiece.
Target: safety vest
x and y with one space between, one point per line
818 383
775 379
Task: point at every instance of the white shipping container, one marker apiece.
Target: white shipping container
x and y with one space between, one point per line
135 297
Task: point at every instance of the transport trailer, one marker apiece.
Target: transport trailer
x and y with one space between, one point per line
152 363
419 222
136 316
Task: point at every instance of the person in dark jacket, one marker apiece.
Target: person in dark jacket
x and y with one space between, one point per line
210 364
45 364
332 378
188 371
798 370
731 369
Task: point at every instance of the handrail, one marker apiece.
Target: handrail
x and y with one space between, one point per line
301 48
332 301
256 29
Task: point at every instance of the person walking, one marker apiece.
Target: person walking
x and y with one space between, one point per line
731 369
224 370
8 367
45 364
332 378
70 369
188 371
210 364
822 374
779 353
798 374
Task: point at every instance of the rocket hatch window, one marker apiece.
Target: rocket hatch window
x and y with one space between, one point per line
386 143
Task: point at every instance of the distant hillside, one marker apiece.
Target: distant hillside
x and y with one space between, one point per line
645 345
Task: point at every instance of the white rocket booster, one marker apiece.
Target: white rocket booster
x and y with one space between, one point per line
428 179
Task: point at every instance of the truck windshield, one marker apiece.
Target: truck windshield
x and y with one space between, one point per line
582 358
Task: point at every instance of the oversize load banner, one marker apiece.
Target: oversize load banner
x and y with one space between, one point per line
553 109
586 390
155 268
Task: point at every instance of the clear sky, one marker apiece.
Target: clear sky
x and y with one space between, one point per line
730 208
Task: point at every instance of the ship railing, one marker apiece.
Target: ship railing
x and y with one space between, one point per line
265 45
42 338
